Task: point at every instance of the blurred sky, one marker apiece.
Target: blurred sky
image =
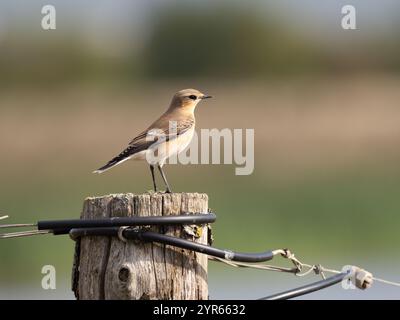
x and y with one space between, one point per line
318 16
122 27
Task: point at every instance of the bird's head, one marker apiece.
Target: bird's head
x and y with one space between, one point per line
188 99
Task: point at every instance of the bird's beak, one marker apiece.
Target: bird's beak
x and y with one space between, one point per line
206 97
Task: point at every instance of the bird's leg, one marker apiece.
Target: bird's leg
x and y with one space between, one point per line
154 179
165 179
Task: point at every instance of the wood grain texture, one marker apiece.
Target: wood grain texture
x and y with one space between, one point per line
107 268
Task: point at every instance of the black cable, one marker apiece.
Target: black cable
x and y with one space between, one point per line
135 234
112 227
307 288
64 226
150 236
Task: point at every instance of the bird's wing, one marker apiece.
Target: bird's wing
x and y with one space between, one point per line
163 129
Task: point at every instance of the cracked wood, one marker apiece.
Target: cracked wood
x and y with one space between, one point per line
107 268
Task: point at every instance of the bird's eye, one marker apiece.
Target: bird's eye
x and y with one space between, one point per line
193 97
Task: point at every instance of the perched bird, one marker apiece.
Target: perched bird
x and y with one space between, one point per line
159 138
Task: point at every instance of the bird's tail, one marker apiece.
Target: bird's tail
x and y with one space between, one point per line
122 157
110 164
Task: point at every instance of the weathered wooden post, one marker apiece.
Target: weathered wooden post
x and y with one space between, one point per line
108 268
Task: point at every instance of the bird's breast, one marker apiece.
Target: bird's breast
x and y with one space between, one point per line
172 147
184 140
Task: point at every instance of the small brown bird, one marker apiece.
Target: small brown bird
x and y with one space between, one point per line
159 138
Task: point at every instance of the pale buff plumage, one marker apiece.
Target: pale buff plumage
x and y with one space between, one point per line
181 114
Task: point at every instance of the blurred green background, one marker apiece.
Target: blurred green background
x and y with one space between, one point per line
324 103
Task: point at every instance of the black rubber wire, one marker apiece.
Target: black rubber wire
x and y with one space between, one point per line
300 291
77 228
150 236
64 226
